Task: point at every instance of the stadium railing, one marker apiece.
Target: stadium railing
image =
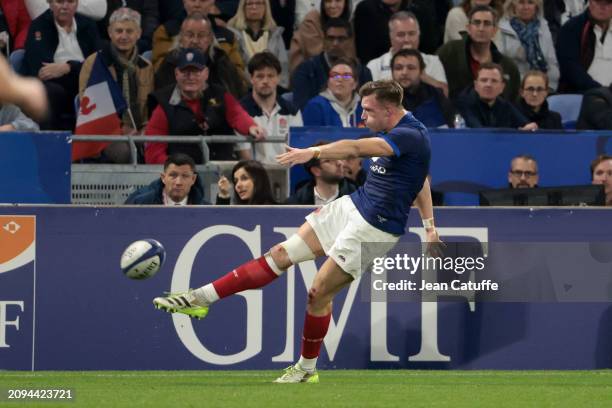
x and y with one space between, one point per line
111 184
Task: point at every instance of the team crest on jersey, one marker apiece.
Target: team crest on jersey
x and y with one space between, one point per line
378 169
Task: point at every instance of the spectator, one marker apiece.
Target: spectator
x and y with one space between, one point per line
251 185
12 119
462 58
483 106
133 74
371 22
196 32
526 39
14 26
193 107
601 173
457 18
308 39
426 102
311 75
352 170
558 12
404 32
58 41
94 9
257 31
596 110
265 105
327 183
523 172
584 48
164 36
179 185
533 104
149 11
338 104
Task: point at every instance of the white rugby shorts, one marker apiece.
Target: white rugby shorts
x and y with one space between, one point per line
341 230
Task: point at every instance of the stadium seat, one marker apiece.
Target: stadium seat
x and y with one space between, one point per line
568 105
16 59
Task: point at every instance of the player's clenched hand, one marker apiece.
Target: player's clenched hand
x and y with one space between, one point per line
295 156
435 246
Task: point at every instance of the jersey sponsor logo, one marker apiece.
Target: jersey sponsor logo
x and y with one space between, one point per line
378 169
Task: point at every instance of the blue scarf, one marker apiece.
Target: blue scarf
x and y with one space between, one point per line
529 34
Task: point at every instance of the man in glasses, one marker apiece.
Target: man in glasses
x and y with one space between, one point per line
462 58
311 75
523 172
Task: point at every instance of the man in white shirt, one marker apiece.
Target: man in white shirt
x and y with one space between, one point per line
268 108
404 32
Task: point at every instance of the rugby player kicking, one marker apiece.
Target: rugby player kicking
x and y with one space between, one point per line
376 212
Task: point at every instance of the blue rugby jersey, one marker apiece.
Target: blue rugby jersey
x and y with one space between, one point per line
393 182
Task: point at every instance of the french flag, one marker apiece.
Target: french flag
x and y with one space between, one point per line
99 111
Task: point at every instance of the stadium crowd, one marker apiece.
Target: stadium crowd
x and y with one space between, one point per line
258 67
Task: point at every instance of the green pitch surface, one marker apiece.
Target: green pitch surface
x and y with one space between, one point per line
338 388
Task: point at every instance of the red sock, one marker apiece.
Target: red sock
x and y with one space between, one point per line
251 275
315 329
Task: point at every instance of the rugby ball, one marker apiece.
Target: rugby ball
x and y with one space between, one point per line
142 259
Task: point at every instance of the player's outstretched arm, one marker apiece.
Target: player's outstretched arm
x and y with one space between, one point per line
342 149
27 93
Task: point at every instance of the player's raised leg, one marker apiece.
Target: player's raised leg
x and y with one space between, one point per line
254 274
327 283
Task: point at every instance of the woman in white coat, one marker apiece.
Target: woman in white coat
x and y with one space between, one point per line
257 32
525 37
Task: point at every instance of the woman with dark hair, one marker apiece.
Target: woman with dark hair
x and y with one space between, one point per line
251 185
307 40
457 19
339 103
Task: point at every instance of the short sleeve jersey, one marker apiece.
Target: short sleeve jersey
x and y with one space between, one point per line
393 182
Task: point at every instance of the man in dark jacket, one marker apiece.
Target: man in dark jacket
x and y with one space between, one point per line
55 57
462 58
179 185
583 49
311 76
326 185
426 102
483 106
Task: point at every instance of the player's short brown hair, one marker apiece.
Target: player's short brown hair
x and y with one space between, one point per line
596 161
386 90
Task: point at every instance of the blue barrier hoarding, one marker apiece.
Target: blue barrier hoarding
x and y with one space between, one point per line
70 308
35 167
465 161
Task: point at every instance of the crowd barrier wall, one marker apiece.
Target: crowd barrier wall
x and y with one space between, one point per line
65 304
37 165
465 161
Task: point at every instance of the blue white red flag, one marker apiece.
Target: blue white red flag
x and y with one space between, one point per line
100 110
